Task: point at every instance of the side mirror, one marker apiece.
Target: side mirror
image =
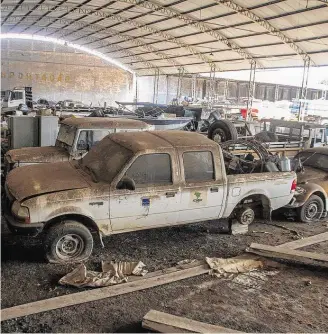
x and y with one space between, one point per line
126 183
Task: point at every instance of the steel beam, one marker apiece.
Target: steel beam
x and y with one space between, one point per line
266 25
190 21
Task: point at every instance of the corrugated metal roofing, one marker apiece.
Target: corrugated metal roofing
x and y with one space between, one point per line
191 34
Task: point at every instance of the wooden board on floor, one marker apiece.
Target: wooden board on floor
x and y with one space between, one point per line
167 323
139 283
315 239
289 254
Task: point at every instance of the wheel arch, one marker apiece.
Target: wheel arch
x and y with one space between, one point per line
84 220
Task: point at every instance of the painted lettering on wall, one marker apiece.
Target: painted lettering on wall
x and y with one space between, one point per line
45 77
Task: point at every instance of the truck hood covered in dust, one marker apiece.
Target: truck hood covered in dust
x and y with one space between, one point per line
33 180
38 154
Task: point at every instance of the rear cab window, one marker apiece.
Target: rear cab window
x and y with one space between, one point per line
198 166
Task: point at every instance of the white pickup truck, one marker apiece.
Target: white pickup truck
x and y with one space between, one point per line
133 181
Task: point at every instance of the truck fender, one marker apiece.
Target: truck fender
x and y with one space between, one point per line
310 189
69 210
264 199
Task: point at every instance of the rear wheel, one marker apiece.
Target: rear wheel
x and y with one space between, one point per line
311 210
69 241
245 216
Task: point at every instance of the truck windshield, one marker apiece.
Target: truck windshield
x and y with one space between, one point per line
314 160
105 160
5 95
66 134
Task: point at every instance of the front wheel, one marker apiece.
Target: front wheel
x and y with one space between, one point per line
311 210
69 241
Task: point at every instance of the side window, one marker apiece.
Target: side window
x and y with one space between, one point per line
82 142
151 169
17 96
198 166
98 135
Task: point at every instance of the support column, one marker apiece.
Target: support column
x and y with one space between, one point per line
324 94
194 87
210 94
276 93
181 72
306 70
156 81
251 90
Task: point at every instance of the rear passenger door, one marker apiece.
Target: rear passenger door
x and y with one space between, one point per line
203 191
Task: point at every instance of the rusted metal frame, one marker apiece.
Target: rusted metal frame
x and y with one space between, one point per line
251 91
260 34
305 78
200 26
266 25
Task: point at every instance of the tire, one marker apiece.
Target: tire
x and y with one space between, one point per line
222 130
266 137
245 216
69 241
311 210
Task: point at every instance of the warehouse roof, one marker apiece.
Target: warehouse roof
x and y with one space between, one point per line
183 35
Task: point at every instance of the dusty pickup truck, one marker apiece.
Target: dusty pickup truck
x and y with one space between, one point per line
134 181
75 138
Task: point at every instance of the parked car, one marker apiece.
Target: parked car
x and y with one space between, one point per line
134 181
75 138
46 103
311 196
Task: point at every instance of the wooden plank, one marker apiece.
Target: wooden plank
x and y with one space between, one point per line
142 283
315 239
289 254
167 323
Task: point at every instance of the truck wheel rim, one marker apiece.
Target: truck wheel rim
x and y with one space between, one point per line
311 210
219 136
247 217
69 246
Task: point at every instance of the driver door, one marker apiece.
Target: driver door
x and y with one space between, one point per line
156 198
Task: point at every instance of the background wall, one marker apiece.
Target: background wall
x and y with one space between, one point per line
58 73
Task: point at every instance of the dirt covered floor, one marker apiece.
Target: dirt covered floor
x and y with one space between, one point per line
290 298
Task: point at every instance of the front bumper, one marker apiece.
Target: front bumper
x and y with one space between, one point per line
23 228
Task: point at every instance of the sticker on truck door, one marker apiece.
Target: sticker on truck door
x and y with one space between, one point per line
198 198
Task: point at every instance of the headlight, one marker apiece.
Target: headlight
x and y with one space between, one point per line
20 211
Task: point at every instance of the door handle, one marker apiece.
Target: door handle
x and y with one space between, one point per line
214 190
170 194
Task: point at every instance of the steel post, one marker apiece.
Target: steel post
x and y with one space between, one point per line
303 92
251 90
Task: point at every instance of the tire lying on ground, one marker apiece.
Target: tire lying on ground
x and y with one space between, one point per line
311 210
222 130
68 241
266 137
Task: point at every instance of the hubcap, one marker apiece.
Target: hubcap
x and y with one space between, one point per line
219 137
69 246
247 217
311 211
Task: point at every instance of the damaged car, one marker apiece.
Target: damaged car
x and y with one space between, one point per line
135 181
75 138
311 196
